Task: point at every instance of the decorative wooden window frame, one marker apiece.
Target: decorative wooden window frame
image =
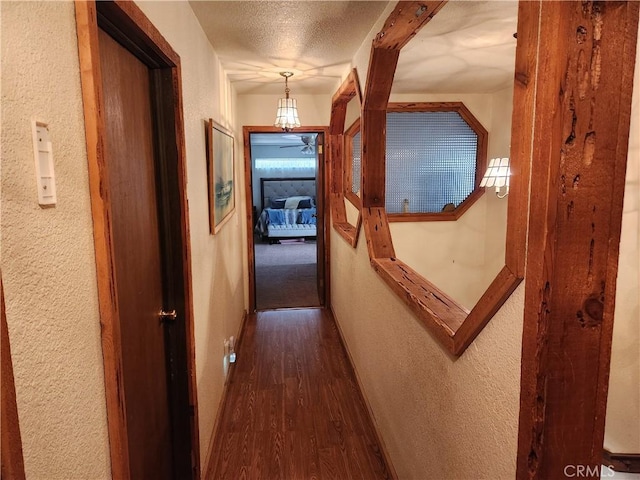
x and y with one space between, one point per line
481 160
348 164
349 90
451 323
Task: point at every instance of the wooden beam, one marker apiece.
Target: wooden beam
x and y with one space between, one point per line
376 227
382 68
580 139
492 299
443 315
372 187
404 22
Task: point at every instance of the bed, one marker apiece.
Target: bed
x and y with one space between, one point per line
288 208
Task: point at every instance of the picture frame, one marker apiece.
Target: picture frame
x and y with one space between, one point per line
220 175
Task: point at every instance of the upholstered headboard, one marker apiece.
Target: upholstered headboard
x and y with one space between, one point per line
271 188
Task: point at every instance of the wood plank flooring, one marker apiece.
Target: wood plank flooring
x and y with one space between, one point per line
294 410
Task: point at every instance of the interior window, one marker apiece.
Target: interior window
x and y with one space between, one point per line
435 158
355 163
431 161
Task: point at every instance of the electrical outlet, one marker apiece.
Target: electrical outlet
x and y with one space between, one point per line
232 350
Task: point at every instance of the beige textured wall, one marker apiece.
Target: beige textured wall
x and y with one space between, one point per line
48 264
218 282
623 407
440 417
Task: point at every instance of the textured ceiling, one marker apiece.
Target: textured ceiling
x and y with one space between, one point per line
315 40
468 47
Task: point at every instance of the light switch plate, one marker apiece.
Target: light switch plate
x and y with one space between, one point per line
43 153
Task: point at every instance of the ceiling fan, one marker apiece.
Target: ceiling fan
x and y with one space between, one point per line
307 143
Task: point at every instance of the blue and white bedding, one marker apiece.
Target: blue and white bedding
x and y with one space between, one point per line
288 222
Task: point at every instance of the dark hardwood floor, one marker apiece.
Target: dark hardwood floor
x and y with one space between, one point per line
294 410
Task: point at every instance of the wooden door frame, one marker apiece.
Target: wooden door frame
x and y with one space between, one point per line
133 28
11 442
321 185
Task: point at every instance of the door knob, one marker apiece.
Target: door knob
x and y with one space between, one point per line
168 316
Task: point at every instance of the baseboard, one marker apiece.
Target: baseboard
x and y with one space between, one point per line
376 431
221 406
622 462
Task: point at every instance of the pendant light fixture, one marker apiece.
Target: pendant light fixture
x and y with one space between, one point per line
287 113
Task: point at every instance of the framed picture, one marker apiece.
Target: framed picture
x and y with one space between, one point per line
220 174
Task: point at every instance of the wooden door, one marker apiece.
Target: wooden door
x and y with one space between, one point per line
126 83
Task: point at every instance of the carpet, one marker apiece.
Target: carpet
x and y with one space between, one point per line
286 275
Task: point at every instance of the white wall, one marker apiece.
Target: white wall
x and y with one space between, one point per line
623 404
48 263
260 110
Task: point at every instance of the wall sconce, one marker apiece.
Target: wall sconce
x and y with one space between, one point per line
287 113
497 175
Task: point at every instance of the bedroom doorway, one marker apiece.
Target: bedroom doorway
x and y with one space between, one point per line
285 193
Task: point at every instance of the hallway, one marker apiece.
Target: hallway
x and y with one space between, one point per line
293 408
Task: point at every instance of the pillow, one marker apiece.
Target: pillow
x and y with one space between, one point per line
293 202
306 203
278 202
